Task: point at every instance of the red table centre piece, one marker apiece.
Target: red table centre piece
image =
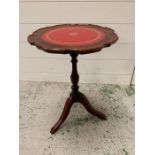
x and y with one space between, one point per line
73 36
73 39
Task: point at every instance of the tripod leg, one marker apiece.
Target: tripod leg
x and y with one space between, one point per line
63 116
84 101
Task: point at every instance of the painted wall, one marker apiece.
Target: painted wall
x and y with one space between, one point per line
112 65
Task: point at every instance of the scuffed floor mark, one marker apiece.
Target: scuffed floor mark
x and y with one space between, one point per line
125 152
130 90
109 90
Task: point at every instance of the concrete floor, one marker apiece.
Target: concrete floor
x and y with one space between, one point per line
41 104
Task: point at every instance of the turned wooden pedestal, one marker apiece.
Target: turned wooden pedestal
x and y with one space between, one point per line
75 96
73 39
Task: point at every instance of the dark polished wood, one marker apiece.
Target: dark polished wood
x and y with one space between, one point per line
75 96
74 75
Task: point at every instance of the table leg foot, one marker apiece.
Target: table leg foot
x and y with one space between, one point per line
84 101
64 115
79 97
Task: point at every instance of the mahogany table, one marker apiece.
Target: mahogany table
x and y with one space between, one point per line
73 39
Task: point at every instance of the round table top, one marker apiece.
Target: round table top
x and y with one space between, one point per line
73 38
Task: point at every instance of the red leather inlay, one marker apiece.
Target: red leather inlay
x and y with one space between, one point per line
73 35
